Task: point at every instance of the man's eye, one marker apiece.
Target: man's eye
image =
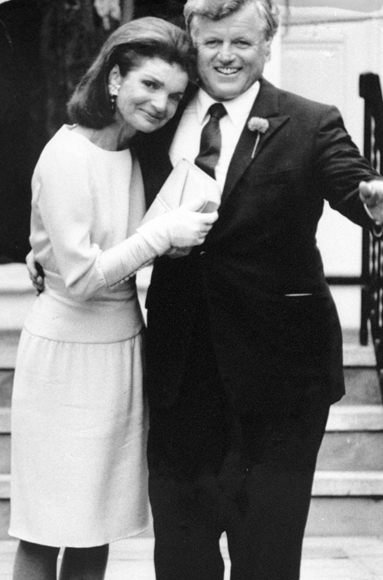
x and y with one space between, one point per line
176 98
211 43
242 43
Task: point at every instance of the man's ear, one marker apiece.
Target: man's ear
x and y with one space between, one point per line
268 48
115 75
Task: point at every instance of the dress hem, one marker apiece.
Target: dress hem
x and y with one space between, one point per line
28 538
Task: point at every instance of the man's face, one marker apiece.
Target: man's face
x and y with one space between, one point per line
231 52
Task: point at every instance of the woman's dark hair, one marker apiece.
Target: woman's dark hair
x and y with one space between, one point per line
139 39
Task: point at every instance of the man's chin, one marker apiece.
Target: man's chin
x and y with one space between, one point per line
224 93
225 88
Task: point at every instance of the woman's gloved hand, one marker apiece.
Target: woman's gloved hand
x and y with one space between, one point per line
183 227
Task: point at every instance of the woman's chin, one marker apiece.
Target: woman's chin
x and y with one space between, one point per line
150 127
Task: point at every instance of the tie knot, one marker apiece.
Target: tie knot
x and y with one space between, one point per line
217 111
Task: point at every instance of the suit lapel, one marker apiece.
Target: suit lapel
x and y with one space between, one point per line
265 106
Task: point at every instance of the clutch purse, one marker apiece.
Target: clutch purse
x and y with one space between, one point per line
185 183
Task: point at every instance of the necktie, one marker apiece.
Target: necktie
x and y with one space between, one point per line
210 147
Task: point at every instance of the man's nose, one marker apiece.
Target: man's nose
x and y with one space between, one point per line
226 53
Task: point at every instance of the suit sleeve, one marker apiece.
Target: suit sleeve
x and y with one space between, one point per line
341 167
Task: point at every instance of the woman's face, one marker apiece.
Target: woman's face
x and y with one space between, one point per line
149 94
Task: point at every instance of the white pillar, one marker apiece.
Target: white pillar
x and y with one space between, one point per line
273 67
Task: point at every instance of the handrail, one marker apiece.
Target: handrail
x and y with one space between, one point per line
372 248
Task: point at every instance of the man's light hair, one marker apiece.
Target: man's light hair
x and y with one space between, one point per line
218 9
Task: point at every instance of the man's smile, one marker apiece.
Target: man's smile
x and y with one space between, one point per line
227 70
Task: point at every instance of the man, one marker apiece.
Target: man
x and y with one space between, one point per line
244 348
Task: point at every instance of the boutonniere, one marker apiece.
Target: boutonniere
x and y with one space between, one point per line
260 125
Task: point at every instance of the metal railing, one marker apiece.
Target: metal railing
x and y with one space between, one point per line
372 248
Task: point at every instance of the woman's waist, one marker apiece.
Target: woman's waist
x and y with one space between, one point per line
105 319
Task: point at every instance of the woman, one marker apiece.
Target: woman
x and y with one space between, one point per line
79 422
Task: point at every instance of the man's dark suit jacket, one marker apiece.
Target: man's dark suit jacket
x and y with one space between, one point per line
262 249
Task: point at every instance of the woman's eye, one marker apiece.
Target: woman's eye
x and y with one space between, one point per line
150 84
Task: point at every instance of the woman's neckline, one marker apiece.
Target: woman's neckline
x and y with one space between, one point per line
86 134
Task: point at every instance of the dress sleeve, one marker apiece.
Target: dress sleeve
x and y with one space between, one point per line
63 196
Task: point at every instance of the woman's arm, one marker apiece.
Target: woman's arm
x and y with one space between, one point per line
180 228
63 210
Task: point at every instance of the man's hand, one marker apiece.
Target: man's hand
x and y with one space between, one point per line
36 273
371 194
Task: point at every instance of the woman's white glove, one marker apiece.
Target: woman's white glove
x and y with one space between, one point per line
183 227
180 228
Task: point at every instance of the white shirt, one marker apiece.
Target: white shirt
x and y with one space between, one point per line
186 142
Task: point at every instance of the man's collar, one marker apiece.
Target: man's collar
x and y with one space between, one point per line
238 109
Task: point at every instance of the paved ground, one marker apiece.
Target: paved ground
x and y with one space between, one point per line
323 559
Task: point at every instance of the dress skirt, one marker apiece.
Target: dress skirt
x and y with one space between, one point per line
79 432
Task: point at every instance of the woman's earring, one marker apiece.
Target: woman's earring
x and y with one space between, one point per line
113 92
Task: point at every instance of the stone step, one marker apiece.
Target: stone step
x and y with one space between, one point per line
348 484
357 356
353 439
5 480
355 418
345 516
5 420
5 441
346 504
362 386
351 451
5 455
6 384
4 505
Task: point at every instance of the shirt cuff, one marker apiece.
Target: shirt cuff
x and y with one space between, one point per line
377 227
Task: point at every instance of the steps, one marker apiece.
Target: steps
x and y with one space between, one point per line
348 487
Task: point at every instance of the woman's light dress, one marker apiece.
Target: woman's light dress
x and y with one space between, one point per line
79 423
